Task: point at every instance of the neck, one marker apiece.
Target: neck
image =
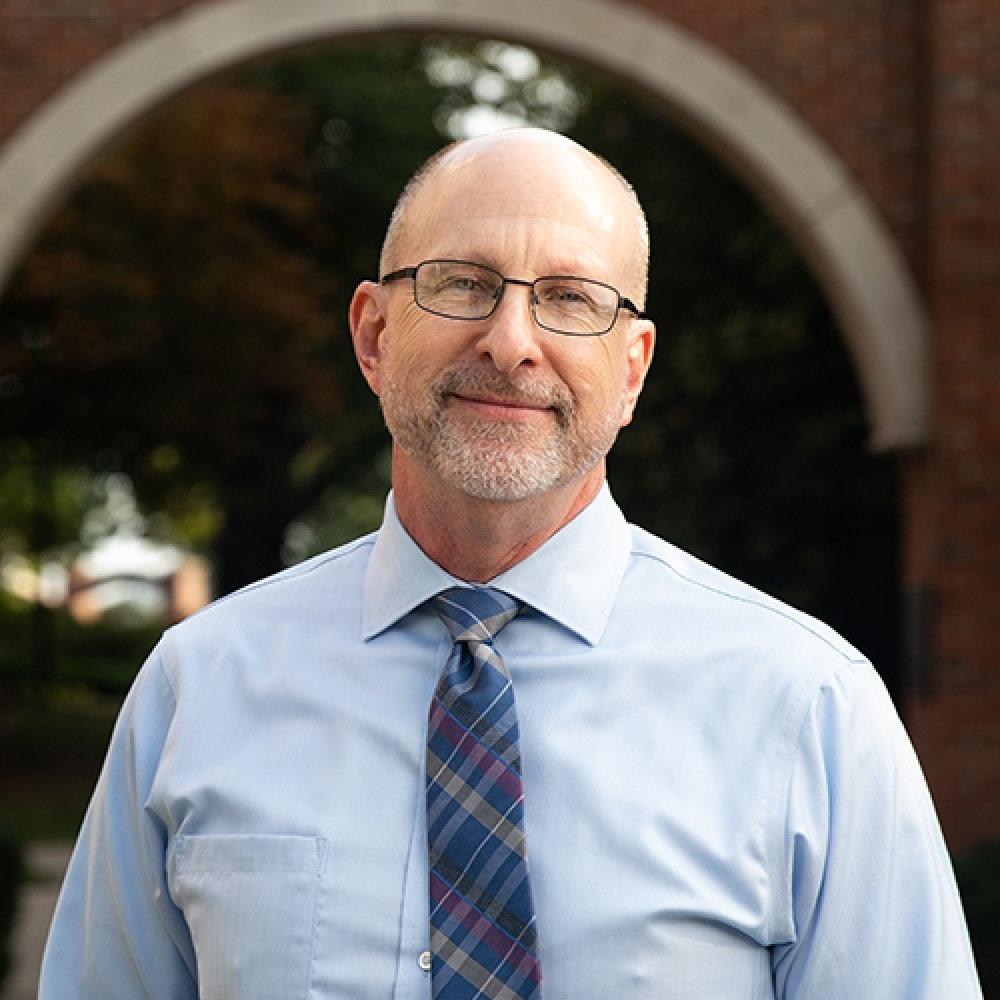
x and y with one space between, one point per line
476 540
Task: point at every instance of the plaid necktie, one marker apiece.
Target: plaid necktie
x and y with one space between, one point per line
482 917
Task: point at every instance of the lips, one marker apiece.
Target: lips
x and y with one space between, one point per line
496 408
501 401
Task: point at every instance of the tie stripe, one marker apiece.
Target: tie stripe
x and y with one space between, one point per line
483 940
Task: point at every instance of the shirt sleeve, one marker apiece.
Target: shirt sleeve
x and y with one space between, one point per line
874 907
116 933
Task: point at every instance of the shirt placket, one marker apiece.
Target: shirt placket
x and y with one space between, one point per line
413 960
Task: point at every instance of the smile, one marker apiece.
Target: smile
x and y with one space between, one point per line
501 409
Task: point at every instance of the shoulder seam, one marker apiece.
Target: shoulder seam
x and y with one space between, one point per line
762 605
292 572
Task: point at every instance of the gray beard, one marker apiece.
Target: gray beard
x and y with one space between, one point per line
495 460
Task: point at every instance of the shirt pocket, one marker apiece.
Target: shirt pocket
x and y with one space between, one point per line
713 964
250 902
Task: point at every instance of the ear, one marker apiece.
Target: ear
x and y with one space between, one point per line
638 356
366 316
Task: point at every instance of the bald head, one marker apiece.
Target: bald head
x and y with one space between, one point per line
519 159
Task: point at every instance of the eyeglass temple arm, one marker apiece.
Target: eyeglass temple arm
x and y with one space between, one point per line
403 272
624 303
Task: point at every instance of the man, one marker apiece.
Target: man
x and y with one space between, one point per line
688 790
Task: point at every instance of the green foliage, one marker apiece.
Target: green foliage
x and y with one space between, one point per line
183 312
101 658
978 874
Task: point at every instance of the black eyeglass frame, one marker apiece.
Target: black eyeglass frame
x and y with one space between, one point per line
411 272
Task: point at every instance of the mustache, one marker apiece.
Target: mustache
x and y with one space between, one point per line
530 390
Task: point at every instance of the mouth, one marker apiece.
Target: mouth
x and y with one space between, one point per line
499 407
479 393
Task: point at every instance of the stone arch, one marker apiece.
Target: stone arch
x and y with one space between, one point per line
835 225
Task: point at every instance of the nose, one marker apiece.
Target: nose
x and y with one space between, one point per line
510 337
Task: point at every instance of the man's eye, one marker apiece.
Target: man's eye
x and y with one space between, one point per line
567 295
464 283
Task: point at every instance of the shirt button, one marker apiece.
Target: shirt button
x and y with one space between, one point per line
424 961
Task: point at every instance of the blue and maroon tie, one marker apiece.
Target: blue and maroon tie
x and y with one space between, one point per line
483 940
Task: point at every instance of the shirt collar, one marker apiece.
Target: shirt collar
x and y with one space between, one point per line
573 578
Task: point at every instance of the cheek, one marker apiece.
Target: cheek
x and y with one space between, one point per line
597 376
408 346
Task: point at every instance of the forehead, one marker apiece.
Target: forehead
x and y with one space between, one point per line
524 202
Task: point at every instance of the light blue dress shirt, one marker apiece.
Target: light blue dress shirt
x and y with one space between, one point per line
721 803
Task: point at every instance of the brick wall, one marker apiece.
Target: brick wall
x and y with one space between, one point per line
43 43
954 487
908 94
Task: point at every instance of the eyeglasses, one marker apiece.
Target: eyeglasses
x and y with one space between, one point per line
460 289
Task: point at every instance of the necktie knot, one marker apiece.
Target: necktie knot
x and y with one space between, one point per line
475 614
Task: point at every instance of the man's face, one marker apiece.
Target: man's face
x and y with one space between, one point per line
500 408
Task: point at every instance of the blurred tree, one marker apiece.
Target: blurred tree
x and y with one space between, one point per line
43 506
180 313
